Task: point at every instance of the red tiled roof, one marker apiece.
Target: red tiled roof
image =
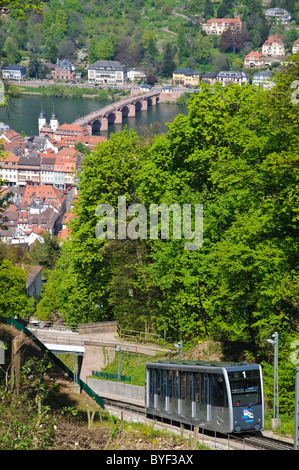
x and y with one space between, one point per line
254 55
224 20
273 39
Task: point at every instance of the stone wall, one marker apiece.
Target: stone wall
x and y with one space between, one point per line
96 357
97 328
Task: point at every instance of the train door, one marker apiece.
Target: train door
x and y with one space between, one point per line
186 393
151 388
202 405
219 402
173 391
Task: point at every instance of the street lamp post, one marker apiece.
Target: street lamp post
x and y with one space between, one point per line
275 422
118 349
180 346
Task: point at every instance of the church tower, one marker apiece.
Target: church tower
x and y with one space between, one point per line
41 119
54 121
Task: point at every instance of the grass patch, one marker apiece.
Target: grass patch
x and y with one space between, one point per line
287 424
132 365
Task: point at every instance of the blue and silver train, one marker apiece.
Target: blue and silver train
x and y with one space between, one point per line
224 397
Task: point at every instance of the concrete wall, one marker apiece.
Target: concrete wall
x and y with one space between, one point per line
96 357
172 96
96 328
123 391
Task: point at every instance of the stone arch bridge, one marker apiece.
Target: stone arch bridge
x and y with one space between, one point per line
114 113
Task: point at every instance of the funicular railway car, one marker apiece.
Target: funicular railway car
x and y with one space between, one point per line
224 397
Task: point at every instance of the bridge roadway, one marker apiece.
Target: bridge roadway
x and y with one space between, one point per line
58 341
115 112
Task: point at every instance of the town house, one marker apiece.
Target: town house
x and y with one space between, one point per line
216 26
65 70
29 170
14 72
254 59
295 47
47 169
226 78
273 47
67 162
186 76
69 130
9 168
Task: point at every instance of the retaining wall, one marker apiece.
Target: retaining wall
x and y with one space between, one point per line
107 388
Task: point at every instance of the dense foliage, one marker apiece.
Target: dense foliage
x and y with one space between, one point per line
237 154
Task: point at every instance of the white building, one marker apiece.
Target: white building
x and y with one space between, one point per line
263 79
216 26
14 72
9 169
134 75
254 59
107 72
273 47
47 170
279 15
295 47
226 78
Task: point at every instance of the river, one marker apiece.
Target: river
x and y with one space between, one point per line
23 112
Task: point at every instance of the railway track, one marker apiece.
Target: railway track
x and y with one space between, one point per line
136 413
267 443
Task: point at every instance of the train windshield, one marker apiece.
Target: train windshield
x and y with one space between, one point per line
245 387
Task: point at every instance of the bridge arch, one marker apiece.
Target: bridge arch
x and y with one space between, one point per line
111 118
138 106
125 111
96 125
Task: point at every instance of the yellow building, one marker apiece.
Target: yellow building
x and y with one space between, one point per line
186 76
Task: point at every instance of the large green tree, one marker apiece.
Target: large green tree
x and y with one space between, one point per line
236 153
13 298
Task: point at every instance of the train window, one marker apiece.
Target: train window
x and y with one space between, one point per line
201 387
219 395
161 382
186 385
173 384
152 380
245 387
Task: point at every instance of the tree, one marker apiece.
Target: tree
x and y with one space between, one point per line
46 253
13 299
182 44
102 50
208 9
20 9
222 11
11 50
168 63
149 41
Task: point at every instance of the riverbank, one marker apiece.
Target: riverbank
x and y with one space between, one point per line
62 91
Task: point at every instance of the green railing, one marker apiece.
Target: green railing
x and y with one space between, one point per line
105 375
58 362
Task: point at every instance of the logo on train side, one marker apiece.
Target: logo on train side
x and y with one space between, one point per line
247 413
